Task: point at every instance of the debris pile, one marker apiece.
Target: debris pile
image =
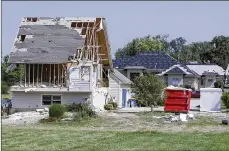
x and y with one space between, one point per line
175 118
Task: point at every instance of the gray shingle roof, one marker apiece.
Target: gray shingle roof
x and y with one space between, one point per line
149 60
121 77
45 44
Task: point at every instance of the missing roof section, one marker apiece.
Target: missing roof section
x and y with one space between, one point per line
48 44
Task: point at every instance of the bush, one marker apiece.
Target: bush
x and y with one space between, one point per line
225 99
114 105
161 103
108 107
82 111
4 89
188 86
57 110
218 84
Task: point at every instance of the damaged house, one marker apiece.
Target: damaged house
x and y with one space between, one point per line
62 60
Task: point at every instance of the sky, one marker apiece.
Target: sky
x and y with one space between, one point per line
195 21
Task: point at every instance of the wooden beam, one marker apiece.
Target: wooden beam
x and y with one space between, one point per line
25 73
29 74
54 75
50 75
58 74
33 74
41 72
37 73
62 76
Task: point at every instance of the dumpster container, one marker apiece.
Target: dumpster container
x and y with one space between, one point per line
210 99
177 100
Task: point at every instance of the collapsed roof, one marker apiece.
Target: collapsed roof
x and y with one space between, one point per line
53 40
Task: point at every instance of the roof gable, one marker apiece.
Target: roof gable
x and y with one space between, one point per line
123 79
203 68
178 69
175 70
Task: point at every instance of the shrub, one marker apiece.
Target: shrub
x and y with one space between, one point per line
161 103
82 111
225 99
218 84
188 86
57 110
108 106
114 105
4 88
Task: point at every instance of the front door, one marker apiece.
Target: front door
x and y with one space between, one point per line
124 91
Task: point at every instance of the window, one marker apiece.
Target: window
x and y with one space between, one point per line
85 73
176 81
51 99
133 76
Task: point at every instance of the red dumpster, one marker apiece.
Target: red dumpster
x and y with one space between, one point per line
177 100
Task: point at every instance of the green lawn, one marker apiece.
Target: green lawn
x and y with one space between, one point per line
39 138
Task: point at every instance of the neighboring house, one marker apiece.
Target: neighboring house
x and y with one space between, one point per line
170 71
65 60
150 62
207 74
119 88
196 75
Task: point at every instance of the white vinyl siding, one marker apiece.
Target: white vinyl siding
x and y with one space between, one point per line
34 99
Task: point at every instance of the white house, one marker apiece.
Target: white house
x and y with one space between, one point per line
64 59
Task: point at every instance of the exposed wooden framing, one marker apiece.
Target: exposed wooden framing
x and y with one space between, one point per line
62 76
33 74
29 75
41 72
58 75
25 73
37 73
50 75
54 78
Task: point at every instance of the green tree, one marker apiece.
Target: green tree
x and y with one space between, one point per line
148 89
11 77
220 53
147 43
176 47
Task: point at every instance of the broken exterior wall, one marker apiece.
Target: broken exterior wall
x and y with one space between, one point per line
44 43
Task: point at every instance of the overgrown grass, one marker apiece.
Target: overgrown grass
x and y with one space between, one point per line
70 139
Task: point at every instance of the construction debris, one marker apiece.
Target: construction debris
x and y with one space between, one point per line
175 118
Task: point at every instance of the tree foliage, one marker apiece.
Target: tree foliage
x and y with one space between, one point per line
148 89
214 51
11 77
147 43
